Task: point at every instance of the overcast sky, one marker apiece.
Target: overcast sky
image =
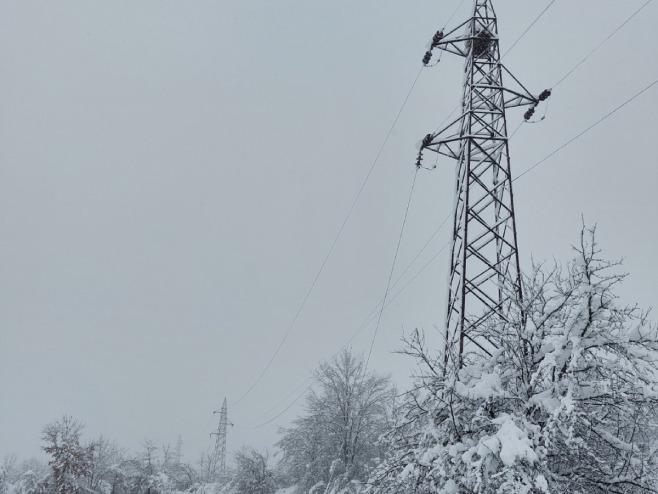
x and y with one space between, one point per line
172 174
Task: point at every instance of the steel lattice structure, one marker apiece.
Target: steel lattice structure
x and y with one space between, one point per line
484 270
218 460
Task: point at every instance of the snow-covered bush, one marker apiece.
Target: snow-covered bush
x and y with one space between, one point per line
253 474
566 404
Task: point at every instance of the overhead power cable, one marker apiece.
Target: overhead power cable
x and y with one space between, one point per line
370 316
299 397
383 305
606 116
453 14
605 40
528 29
333 244
282 400
569 73
570 141
363 326
395 258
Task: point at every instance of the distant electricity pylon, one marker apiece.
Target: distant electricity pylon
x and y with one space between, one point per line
218 460
484 270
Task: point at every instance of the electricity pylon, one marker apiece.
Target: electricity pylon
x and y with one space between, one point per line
485 279
218 460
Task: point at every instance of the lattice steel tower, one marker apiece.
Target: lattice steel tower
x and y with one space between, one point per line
218 461
484 269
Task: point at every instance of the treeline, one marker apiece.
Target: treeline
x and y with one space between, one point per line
99 466
334 445
563 398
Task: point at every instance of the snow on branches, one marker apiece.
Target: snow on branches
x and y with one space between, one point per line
566 404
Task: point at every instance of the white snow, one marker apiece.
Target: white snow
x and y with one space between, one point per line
514 443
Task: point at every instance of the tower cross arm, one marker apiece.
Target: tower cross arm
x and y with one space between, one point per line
520 95
445 141
453 42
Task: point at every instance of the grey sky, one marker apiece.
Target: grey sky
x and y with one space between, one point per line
172 174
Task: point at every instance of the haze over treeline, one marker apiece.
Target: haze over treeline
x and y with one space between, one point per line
567 403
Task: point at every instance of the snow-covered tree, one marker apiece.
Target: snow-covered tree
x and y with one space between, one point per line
148 473
8 473
253 475
101 467
26 483
70 461
336 441
21 478
105 469
567 404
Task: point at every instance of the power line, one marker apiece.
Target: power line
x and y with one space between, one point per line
609 114
395 258
454 13
602 43
528 29
285 409
276 405
525 172
383 303
335 241
363 326
370 316
374 312
403 288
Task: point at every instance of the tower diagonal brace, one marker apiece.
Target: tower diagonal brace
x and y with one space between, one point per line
485 279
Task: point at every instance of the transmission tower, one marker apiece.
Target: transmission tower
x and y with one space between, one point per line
484 270
218 460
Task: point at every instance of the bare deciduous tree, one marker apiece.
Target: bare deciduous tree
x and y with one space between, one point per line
336 440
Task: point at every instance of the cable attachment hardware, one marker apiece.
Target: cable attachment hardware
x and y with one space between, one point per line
427 140
436 39
545 94
419 160
427 58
